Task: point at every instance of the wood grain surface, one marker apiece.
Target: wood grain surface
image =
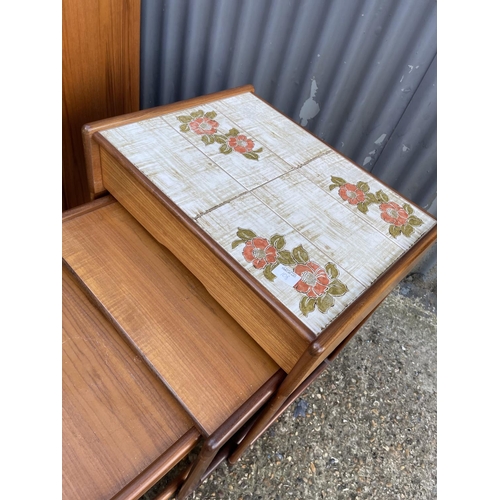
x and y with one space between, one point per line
200 352
119 421
100 40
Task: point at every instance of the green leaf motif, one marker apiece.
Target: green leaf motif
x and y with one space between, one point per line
363 186
207 139
307 305
235 243
184 127
277 241
233 132
285 258
338 181
185 119
394 230
337 288
258 150
325 302
382 197
251 155
219 138
300 255
210 115
408 209
414 221
225 149
370 198
407 229
363 207
268 272
245 234
331 270
197 114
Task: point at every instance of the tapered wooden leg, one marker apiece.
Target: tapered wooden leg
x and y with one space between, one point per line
207 454
259 426
288 392
290 383
169 491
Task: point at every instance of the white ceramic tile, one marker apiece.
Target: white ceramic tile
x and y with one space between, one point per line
321 171
248 213
188 177
248 172
274 131
334 229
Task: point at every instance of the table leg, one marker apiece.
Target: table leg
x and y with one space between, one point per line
207 454
289 390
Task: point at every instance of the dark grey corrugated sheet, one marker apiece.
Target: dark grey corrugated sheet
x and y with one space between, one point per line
360 74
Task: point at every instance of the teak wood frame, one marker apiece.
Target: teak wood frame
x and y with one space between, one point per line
290 343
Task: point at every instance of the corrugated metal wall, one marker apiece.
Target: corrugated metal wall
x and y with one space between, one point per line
360 74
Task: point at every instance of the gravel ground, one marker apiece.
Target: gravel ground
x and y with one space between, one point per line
366 429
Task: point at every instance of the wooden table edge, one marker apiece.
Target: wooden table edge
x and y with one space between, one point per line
157 469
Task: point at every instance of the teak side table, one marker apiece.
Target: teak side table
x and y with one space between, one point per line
298 244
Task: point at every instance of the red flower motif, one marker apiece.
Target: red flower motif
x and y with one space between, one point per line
352 194
204 126
259 252
393 213
240 143
313 279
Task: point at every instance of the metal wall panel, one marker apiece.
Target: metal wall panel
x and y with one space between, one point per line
360 74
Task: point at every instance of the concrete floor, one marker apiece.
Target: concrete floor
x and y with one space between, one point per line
366 429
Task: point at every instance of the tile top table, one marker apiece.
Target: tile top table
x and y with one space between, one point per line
286 233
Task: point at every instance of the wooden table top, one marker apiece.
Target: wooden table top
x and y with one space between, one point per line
117 417
200 352
311 227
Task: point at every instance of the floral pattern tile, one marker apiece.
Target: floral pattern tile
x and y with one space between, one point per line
317 285
205 125
237 161
399 217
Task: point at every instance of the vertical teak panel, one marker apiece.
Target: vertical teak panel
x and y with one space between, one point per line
101 57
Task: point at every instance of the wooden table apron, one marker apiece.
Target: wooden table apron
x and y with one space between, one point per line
301 254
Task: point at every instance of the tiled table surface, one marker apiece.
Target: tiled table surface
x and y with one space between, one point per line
313 228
